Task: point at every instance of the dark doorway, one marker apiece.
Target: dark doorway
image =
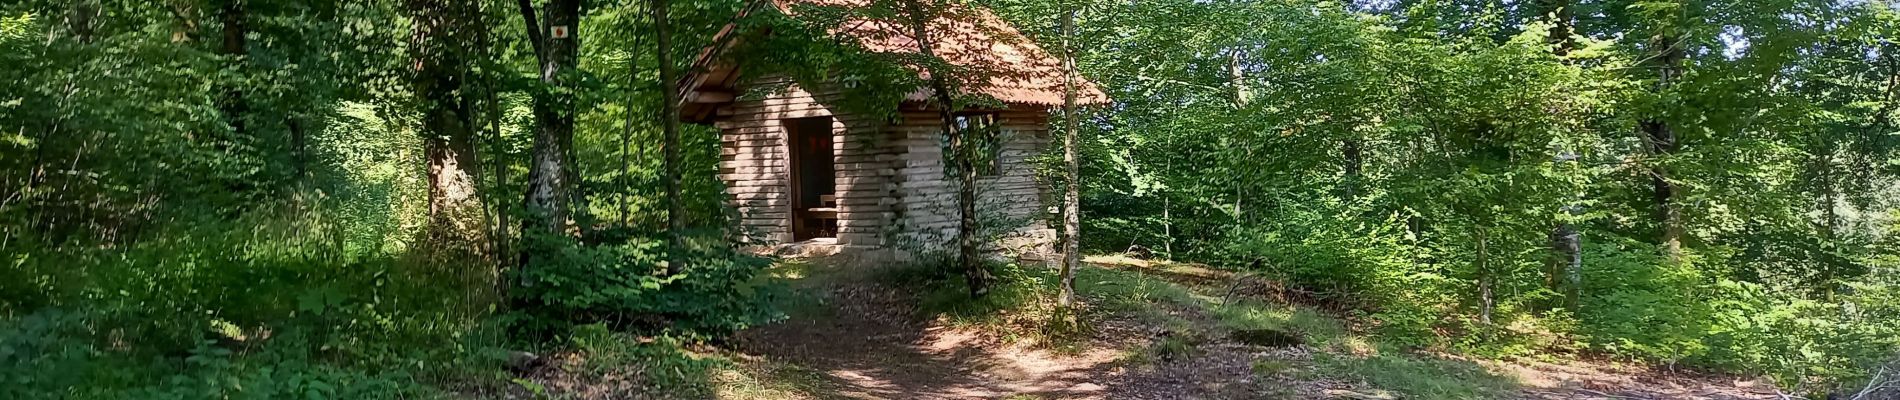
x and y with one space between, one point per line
814 183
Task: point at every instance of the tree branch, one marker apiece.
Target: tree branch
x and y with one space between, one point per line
535 35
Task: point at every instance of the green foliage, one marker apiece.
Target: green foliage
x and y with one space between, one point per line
275 311
48 355
211 199
663 362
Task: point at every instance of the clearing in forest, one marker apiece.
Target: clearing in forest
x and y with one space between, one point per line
1157 331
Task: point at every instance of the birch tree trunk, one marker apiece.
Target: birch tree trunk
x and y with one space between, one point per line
1072 192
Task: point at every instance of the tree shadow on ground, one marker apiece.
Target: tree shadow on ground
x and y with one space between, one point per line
866 338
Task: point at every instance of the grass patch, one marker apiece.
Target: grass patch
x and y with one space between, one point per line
1417 376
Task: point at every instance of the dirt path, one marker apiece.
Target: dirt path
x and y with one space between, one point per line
871 344
868 343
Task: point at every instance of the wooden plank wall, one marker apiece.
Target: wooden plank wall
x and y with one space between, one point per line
756 171
1013 195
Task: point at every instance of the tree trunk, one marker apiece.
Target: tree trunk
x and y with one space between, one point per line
1353 162
457 230
1660 141
1564 273
1238 79
1487 281
1830 217
547 196
626 141
669 110
974 273
497 165
80 20
1072 193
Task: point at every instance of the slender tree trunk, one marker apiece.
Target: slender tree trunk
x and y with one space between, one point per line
669 110
234 106
579 210
1567 261
1237 78
547 197
977 276
299 148
1072 193
1167 224
1830 218
498 167
1167 213
626 143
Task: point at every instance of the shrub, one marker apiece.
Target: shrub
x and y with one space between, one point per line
628 285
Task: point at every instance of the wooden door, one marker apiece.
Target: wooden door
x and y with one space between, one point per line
813 178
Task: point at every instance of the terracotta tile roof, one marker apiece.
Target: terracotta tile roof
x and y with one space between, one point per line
990 56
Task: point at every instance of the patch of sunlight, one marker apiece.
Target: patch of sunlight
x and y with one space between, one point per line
1246 315
1115 259
1359 346
792 269
762 380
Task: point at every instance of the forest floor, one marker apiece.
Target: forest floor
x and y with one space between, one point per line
1157 331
